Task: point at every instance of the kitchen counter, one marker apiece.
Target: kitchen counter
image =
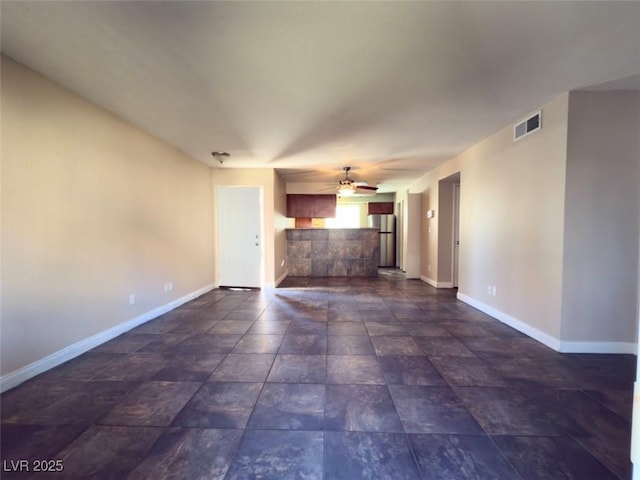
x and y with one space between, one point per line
333 252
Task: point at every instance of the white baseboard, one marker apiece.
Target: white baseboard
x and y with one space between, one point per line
549 340
429 281
598 347
435 284
15 378
412 273
278 281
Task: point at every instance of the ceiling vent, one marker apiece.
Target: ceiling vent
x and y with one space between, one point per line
531 124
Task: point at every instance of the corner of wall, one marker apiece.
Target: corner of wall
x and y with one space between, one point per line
549 340
412 236
129 214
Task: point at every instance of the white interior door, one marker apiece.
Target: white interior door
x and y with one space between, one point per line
239 236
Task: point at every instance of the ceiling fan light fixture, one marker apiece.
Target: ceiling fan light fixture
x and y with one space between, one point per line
220 156
346 190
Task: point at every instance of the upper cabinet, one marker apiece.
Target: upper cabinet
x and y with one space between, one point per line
311 206
380 208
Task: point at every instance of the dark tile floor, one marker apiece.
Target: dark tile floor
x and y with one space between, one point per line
325 378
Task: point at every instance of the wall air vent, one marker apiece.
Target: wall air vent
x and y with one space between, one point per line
531 124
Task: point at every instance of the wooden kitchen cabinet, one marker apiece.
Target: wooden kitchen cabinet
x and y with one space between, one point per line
311 206
380 208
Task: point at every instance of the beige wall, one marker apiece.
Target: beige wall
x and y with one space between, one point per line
429 233
411 239
550 221
511 221
600 284
93 210
280 224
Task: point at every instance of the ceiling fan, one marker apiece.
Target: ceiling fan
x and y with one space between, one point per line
348 187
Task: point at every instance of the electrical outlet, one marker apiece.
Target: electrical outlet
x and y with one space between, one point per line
489 290
170 286
493 291
132 299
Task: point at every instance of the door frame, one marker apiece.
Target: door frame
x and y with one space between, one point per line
400 235
455 256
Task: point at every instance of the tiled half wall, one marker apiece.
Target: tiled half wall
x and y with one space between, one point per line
333 252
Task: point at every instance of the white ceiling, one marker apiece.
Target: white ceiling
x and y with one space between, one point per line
390 88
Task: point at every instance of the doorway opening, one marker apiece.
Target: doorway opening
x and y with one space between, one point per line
448 231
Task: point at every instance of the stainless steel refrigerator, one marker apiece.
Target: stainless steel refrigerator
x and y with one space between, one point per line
387 226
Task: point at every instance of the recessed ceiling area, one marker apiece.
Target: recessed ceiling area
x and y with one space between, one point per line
391 89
